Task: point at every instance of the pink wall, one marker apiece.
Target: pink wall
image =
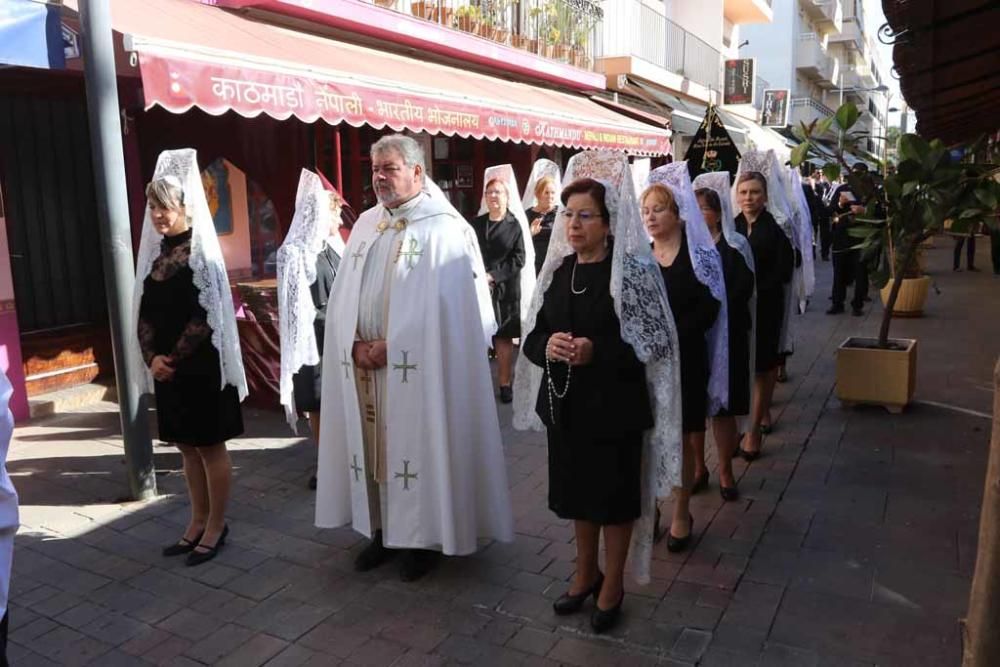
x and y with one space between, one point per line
10 335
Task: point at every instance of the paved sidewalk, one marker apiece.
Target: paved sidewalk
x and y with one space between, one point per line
853 544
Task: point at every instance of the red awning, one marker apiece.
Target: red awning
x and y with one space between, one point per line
197 55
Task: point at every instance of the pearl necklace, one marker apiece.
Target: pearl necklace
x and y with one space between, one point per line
572 281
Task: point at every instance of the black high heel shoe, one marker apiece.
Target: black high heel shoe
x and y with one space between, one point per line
729 493
603 620
749 456
678 544
570 604
183 546
199 557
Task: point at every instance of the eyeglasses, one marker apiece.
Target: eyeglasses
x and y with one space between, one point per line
583 216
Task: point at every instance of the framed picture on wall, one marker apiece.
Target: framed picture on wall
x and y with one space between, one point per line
215 180
463 176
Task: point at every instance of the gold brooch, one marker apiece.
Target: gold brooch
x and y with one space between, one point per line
399 226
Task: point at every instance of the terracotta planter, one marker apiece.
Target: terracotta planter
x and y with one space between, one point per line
500 35
519 41
868 375
561 52
468 24
388 4
425 10
912 296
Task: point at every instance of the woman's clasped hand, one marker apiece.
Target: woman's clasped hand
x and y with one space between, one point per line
573 351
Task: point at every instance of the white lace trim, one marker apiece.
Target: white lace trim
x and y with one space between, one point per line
207 265
707 266
505 172
296 257
647 324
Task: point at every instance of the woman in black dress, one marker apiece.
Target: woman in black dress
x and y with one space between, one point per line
695 310
307 265
594 402
774 258
542 216
739 291
502 245
175 340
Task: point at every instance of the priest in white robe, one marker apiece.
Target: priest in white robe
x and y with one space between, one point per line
410 451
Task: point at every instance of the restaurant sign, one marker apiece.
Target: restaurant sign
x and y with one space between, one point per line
178 84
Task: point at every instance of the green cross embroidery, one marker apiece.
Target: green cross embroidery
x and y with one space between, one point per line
346 363
356 468
406 366
359 254
411 254
406 475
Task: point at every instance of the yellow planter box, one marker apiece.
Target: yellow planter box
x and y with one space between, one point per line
868 375
912 296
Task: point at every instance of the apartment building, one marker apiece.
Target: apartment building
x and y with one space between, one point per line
820 51
669 54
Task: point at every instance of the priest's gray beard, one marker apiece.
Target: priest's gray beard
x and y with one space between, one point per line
373 324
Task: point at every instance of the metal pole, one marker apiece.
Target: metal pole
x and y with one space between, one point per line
116 236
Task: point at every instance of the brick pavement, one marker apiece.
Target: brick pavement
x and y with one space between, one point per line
853 544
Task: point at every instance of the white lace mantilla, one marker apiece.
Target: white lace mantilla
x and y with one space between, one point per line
206 264
311 226
647 324
526 275
708 269
778 206
540 170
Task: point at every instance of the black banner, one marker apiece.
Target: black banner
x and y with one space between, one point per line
712 149
738 87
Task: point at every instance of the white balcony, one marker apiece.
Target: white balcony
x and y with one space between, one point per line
827 14
806 110
813 60
748 11
642 30
851 35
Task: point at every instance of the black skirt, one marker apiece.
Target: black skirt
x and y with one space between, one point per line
307 382
595 479
191 409
770 315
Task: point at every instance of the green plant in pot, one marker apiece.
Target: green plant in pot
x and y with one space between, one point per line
927 188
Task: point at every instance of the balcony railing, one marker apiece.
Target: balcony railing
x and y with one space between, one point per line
806 110
565 30
633 28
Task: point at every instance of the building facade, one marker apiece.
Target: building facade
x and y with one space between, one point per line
820 51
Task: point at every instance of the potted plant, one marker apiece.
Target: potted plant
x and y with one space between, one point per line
386 3
927 188
468 19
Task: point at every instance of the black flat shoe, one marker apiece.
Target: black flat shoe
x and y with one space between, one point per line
729 493
506 394
417 563
700 483
603 620
570 604
182 547
373 555
312 483
199 557
678 544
